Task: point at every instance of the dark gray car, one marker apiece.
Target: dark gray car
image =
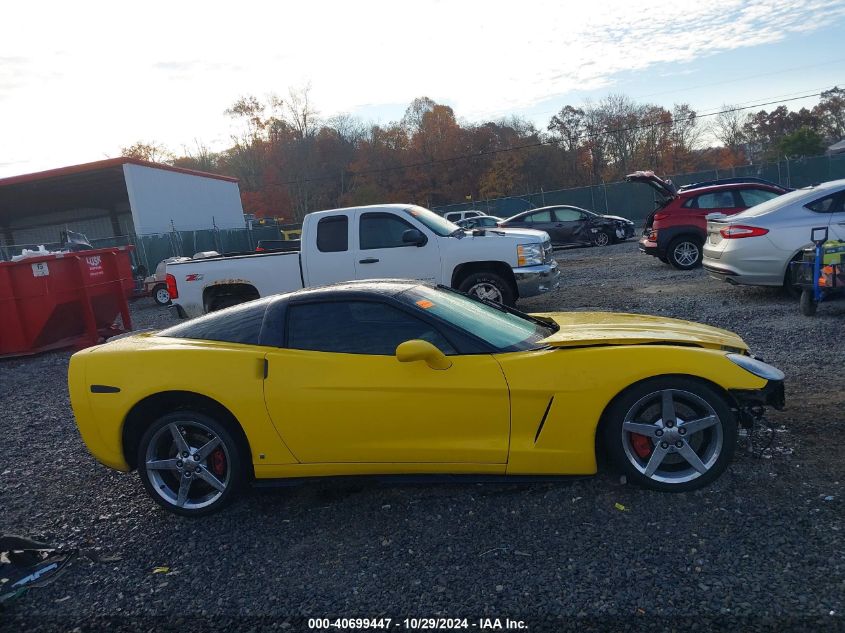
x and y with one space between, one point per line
573 225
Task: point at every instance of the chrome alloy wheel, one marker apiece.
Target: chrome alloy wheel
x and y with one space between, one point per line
672 436
601 239
188 465
686 253
486 290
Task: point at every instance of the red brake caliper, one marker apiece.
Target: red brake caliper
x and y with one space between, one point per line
641 444
218 462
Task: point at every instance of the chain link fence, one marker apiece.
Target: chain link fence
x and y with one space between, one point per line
636 200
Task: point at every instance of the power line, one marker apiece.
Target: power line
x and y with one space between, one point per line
514 148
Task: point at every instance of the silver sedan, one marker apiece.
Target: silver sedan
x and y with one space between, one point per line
754 247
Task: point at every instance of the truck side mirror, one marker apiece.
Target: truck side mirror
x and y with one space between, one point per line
414 237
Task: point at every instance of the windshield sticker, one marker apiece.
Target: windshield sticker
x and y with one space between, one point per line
425 304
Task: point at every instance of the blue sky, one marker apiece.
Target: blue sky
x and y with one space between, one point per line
100 75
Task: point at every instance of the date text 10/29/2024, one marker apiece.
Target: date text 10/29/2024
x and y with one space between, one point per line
417 624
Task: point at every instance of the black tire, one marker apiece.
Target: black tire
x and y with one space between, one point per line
685 252
478 283
808 303
602 238
159 293
193 426
790 289
713 445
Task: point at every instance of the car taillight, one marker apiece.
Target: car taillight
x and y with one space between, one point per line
259 249
171 287
652 236
737 231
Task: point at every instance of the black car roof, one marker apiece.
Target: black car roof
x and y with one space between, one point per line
384 287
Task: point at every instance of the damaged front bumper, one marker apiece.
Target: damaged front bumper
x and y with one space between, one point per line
752 403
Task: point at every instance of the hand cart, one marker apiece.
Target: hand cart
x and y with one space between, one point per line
821 272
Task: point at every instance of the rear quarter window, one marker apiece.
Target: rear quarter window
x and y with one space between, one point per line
333 234
828 204
239 324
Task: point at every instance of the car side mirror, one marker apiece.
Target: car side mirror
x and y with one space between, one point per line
416 349
415 237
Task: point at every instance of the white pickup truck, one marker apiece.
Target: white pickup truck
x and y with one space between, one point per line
397 241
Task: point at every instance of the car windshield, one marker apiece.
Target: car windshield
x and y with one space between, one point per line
505 329
431 220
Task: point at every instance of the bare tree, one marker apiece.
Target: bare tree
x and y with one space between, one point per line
296 111
727 127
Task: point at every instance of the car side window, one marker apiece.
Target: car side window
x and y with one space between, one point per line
713 200
382 230
539 217
750 197
829 204
567 215
357 327
333 234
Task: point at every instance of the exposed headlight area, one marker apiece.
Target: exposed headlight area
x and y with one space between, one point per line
529 254
756 367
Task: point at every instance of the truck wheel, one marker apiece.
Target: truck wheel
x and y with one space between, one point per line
684 252
160 294
808 302
488 286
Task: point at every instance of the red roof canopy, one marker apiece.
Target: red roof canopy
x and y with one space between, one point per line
105 164
100 184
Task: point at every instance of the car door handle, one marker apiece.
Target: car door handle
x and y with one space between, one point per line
558 225
369 260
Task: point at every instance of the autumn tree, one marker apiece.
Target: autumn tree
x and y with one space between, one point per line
830 113
151 151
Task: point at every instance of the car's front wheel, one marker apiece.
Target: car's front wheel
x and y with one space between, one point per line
671 434
190 463
602 238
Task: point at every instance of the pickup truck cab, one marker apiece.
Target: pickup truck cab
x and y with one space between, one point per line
399 241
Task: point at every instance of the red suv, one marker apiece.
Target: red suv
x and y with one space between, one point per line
676 230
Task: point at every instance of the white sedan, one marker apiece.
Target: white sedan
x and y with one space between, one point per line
755 247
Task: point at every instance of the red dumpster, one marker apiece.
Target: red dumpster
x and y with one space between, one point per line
64 300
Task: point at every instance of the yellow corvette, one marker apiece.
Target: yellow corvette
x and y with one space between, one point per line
399 377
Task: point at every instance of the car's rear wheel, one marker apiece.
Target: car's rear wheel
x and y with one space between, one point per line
671 434
684 253
190 463
488 286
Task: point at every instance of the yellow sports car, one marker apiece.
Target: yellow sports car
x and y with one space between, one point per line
398 377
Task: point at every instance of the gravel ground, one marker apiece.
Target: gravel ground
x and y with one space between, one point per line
761 548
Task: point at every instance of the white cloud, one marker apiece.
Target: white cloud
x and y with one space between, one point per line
78 80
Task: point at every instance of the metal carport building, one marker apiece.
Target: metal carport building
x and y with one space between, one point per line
113 201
